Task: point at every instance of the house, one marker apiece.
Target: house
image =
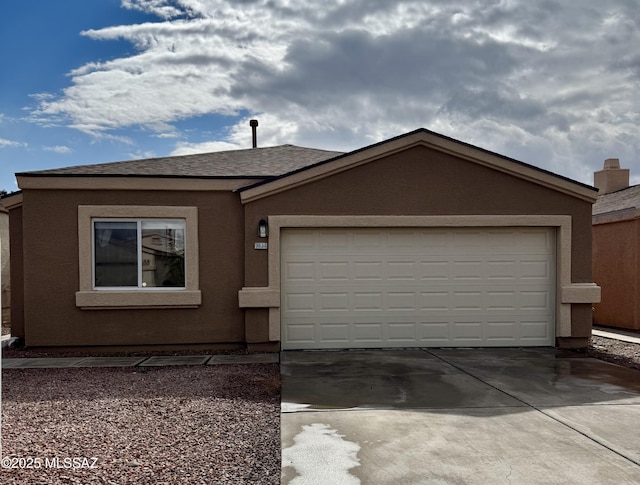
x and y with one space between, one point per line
616 247
418 241
5 285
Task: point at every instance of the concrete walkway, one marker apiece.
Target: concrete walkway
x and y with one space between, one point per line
59 362
156 361
472 416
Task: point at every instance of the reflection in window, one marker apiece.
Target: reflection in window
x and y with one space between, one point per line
139 253
162 254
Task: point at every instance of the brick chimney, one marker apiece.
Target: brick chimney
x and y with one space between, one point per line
611 178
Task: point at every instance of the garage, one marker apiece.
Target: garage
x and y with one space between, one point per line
417 287
418 241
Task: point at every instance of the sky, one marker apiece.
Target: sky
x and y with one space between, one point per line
555 84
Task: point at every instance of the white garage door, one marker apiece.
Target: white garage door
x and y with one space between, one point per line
417 287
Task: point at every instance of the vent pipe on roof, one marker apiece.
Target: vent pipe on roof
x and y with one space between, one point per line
254 134
611 178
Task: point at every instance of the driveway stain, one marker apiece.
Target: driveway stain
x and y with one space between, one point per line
320 455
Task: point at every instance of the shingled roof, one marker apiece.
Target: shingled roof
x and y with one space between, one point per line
625 199
246 163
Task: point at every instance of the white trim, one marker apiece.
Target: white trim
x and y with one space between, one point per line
139 222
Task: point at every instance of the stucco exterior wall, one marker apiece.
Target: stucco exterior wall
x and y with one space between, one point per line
616 268
17 276
51 266
421 181
5 285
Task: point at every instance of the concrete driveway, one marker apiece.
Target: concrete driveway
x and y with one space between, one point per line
463 416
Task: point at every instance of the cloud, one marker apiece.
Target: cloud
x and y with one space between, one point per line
4 143
183 148
160 8
58 149
552 83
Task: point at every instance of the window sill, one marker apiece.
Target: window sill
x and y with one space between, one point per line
139 299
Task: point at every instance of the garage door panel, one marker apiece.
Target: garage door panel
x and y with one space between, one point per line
415 287
535 270
535 300
467 330
467 300
335 333
295 271
467 270
366 331
504 331
401 239
333 271
400 270
434 270
534 330
299 302
332 241
502 270
434 333
334 302
301 334
367 301
501 300
400 300
367 270
367 241
536 238
434 301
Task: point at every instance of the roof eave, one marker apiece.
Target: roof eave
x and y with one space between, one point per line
420 137
628 214
12 200
129 182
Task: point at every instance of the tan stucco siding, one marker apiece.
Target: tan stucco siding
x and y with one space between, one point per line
5 276
17 277
51 274
421 181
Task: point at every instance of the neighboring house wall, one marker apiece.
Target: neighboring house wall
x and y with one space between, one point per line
17 274
616 247
616 269
51 273
5 289
421 181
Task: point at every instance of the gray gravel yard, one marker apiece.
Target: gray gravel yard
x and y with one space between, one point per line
165 425
615 351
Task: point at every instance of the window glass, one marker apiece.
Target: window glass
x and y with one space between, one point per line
116 253
162 254
139 253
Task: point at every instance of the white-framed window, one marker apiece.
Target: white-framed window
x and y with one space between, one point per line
139 253
135 256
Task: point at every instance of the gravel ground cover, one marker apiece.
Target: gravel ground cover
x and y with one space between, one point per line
166 425
615 351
